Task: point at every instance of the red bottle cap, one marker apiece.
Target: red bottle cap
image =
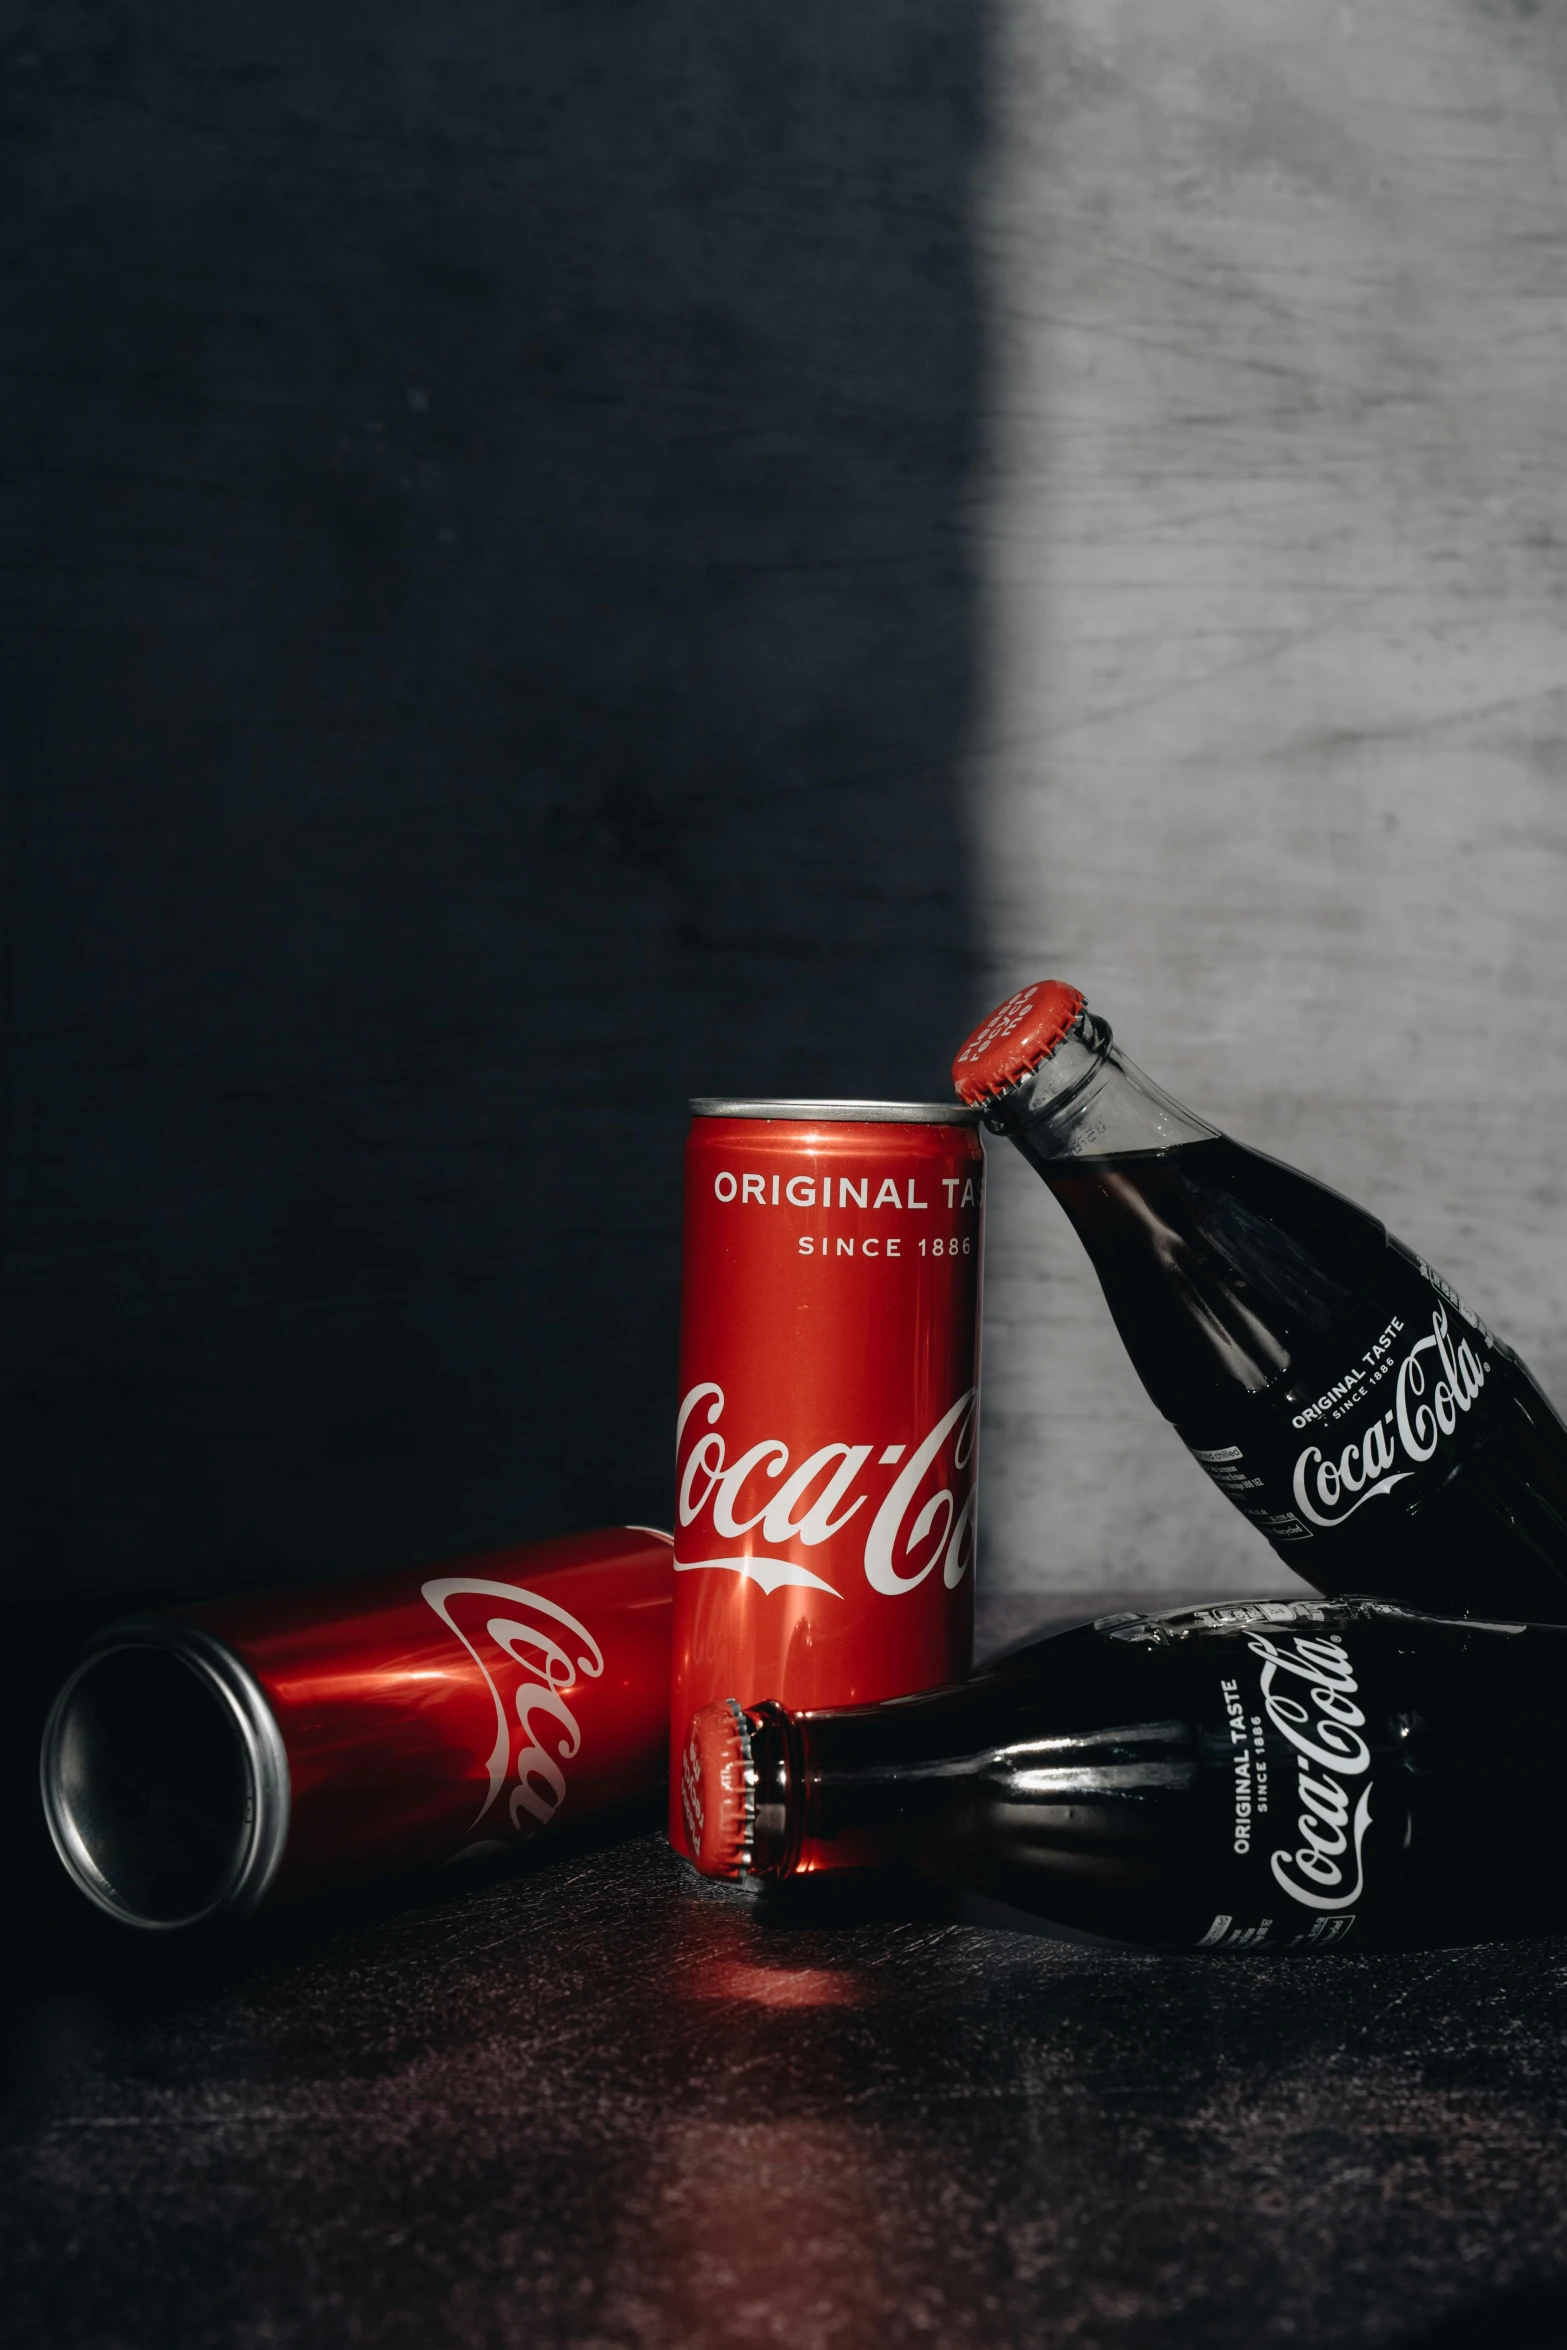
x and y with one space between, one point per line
1019 1034
718 1790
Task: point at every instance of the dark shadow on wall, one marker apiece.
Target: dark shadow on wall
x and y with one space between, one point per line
492 653
1530 2316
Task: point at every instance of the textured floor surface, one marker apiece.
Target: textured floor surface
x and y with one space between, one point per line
595 2104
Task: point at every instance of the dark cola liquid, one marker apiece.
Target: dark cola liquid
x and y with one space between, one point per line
1331 1384
1251 1776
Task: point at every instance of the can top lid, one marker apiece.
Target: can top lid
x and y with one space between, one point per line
838 1113
718 1790
1017 1036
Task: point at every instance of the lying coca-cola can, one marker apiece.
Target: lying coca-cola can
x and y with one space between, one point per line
200 1761
829 1390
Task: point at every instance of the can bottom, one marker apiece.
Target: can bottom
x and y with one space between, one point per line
164 1778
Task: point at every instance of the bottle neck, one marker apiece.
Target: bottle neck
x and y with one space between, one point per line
1087 1101
937 1781
861 1786
777 1758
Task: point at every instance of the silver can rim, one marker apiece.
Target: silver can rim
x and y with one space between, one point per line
261 1838
801 1110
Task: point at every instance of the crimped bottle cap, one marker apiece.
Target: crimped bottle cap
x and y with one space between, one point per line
718 1790
1018 1035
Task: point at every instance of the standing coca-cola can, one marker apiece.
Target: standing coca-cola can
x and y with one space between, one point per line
199 1761
829 1393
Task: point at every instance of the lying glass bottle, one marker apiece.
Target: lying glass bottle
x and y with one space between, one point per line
1332 1385
1257 1775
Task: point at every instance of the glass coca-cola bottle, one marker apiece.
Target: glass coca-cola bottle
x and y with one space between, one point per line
1326 1378
1261 1775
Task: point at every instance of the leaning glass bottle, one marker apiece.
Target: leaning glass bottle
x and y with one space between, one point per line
1332 1385
1252 1776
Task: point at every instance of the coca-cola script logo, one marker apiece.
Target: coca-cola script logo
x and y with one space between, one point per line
528 1640
1429 1399
1315 1710
907 1537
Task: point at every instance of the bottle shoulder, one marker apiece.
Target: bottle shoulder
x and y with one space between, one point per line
1215 1188
1220 1265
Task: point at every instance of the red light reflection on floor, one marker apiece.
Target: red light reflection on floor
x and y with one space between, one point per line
771 1986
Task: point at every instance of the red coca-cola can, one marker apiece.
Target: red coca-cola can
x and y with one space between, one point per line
829 1392
201 1761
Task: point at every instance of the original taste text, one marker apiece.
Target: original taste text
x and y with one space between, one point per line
800 1191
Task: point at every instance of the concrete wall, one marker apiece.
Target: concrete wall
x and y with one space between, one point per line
490 656
568 555
1272 761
